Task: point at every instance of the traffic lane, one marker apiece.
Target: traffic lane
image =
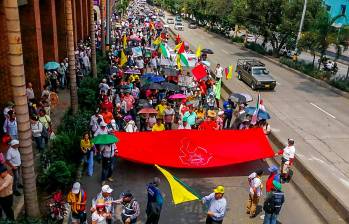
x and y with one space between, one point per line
292 102
134 177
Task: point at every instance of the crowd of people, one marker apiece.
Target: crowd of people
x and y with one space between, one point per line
140 93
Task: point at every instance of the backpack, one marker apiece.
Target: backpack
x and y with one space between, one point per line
269 206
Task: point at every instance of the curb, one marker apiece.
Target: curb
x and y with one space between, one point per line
321 188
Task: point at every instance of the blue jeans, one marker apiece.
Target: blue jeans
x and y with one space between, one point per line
270 218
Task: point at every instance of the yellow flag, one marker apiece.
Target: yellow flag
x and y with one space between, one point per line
157 41
124 42
123 59
178 61
178 46
180 192
198 51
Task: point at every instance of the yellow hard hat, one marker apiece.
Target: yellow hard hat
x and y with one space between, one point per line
219 190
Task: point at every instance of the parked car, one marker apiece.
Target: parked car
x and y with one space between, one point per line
192 25
288 52
179 26
161 14
170 21
255 74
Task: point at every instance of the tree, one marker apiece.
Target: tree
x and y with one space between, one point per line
71 56
93 41
102 4
309 42
15 56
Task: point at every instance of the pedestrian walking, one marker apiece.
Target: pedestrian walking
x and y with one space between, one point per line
77 198
154 203
13 160
273 204
130 208
109 203
37 129
100 215
6 197
255 192
288 153
108 154
274 175
217 206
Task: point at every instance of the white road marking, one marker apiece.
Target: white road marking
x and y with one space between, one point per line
224 51
278 83
323 110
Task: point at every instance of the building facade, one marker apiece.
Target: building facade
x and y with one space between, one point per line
337 7
44 38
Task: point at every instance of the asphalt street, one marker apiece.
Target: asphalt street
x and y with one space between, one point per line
134 177
315 116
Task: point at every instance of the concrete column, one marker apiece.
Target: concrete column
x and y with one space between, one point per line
32 44
49 25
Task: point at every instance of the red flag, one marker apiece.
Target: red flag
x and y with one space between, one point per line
192 149
199 72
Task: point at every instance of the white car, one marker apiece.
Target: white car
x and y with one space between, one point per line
251 38
170 21
179 26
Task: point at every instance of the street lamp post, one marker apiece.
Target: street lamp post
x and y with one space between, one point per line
301 24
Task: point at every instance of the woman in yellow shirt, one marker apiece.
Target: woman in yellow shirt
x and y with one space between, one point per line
158 126
86 150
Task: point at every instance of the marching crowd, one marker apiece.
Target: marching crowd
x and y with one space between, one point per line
139 93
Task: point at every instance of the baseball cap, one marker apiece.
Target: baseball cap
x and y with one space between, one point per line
219 190
14 142
273 168
76 188
106 189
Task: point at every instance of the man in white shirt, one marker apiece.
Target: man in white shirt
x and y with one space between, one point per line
13 160
30 92
288 153
108 155
255 191
219 71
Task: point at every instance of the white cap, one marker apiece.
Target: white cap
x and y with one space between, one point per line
106 189
14 142
76 188
221 112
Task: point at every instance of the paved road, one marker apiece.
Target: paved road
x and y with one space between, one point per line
134 177
315 116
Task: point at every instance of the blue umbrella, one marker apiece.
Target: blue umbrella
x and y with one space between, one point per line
157 79
261 113
52 65
148 75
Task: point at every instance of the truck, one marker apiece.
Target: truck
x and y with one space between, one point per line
255 74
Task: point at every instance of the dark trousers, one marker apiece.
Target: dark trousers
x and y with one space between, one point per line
209 220
168 126
226 122
39 141
152 218
6 205
107 168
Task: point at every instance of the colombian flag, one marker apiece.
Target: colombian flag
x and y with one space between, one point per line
181 192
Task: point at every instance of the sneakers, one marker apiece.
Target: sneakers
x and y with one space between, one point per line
110 179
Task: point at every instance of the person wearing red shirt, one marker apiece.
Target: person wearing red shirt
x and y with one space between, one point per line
107 104
210 123
107 116
274 175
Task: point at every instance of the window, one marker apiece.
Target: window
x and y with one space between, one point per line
328 7
343 9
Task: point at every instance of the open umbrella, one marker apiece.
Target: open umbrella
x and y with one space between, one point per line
148 75
170 71
132 71
261 113
105 139
170 86
177 96
52 65
240 97
207 51
152 86
157 79
148 110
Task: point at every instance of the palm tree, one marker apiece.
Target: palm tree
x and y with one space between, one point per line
102 26
15 57
93 41
71 56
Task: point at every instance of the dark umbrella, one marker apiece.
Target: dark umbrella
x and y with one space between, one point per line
207 51
170 86
157 79
148 75
143 103
170 71
261 113
152 86
240 97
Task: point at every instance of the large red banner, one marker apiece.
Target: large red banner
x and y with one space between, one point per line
194 149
